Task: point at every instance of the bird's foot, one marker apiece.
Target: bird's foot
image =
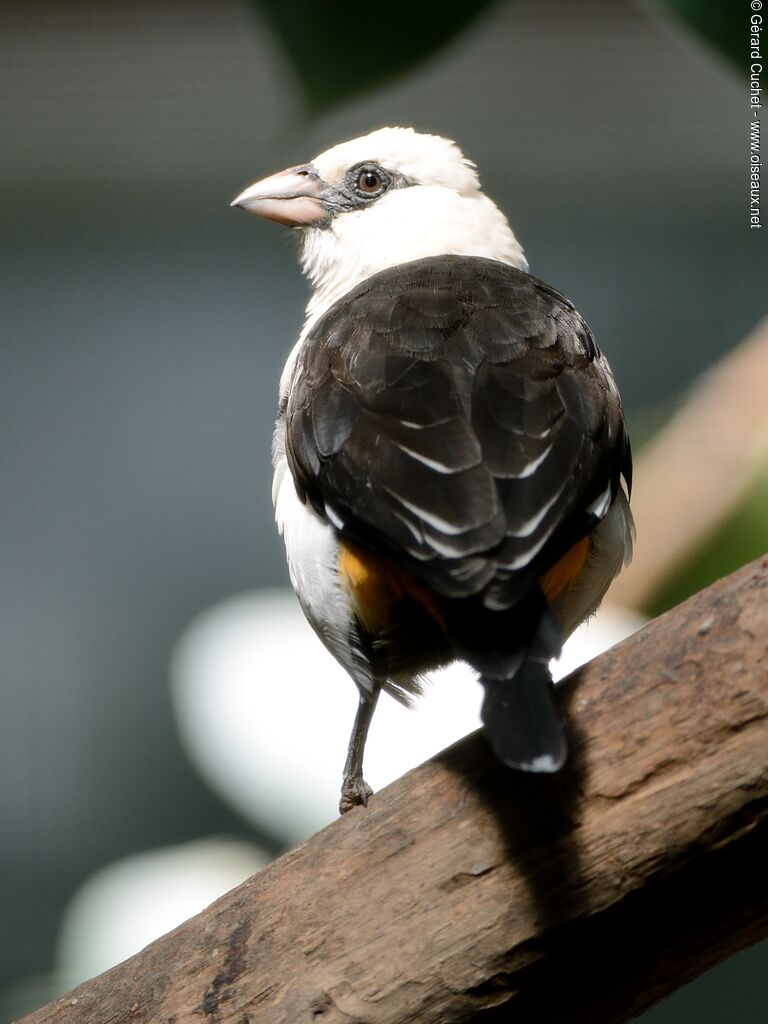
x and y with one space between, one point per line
354 793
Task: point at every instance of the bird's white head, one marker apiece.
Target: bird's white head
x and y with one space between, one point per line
378 201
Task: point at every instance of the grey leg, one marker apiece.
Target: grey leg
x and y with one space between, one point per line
354 789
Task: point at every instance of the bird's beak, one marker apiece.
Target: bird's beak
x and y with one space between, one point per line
292 197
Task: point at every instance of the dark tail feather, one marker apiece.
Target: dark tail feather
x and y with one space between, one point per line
518 712
521 722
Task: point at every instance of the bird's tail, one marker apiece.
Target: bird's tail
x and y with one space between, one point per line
519 715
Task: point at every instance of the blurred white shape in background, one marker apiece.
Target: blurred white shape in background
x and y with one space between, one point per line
265 712
125 906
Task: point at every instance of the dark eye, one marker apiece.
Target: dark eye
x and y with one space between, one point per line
369 181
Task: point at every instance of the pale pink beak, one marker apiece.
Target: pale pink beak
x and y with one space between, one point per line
291 197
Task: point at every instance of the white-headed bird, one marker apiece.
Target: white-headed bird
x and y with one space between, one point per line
450 444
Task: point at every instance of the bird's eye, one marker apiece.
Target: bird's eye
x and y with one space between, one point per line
369 181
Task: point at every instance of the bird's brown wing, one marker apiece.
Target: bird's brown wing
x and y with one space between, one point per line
455 414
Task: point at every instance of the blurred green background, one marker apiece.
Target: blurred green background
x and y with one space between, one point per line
144 325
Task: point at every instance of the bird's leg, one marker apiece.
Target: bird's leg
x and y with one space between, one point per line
354 789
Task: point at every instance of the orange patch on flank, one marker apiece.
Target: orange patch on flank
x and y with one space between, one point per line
376 585
562 574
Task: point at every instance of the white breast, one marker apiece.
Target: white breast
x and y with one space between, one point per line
312 549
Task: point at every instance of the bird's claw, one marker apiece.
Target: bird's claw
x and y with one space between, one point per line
354 793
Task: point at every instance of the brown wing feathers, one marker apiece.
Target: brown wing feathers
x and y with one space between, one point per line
455 414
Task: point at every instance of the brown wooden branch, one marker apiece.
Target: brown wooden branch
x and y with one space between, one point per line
722 425
466 892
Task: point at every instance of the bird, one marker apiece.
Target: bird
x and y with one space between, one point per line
451 465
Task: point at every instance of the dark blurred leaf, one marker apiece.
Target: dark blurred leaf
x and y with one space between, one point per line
723 23
341 50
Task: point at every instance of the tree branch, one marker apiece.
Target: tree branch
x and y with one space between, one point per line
465 892
723 420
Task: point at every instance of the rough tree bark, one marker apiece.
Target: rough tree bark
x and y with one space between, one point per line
468 893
